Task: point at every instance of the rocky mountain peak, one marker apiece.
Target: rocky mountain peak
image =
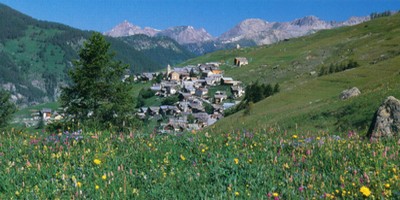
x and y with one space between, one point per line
309 21
186 34
126 29
246 28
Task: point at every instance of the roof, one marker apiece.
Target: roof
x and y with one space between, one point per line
202 117
154 109
155 87
227 78
46 110
148 75
236 87
241 58
228 105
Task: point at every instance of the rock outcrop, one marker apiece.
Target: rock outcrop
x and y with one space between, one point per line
386 122
347 94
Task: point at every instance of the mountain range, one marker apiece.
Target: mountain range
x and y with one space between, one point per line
249 32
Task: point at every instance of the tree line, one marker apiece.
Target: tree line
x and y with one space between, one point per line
375 15
254 93
333 68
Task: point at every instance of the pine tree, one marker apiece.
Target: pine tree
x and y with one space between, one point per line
276 88
7 108
98 96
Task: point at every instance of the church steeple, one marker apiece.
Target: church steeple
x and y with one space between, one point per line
168 70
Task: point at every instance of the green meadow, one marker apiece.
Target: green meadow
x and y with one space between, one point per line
245 164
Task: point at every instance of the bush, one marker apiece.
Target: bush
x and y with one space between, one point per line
171 100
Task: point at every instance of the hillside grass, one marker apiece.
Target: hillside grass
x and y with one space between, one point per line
245 164
31 49
309 102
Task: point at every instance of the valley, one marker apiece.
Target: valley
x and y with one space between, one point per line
304 109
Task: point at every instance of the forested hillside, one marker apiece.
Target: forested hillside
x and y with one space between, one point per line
35 56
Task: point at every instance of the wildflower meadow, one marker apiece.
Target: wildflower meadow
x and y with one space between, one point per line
244 164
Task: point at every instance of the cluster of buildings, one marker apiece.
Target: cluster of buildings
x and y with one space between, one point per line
197 106
46 115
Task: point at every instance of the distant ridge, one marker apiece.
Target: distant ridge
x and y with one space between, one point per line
249 32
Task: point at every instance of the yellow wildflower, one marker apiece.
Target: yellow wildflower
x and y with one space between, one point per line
97 187
104 177
387 185
166 161
275 194
183 157
365 191
78 184
236 160
203 150
331 196
286 166
237 193
135 191
294 136
97 161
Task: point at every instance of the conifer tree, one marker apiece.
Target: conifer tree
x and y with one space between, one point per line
7 108
98 96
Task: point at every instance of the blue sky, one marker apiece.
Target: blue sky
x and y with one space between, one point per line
216 16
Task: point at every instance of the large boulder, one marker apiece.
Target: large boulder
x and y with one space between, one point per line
346 94
386 122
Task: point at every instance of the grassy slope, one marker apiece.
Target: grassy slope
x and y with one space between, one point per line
312 102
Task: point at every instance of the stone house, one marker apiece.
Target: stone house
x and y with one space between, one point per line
237 91
200 92
147 76
201 118
45 113
174 76
239 61
227 81
219 96
153 110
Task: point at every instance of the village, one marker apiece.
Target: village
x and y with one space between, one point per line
199 102
197 107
